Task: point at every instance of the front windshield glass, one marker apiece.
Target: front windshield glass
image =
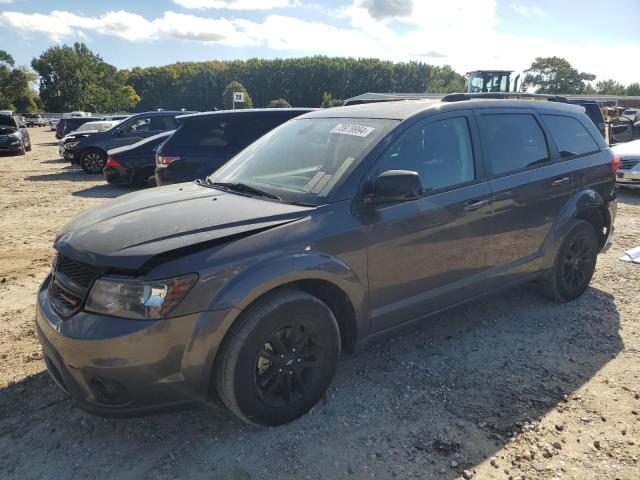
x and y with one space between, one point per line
6 121
303 160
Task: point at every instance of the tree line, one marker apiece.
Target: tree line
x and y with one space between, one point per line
75 78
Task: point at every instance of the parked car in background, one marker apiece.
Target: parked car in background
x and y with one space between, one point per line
69 124
91 152
205 141
84 130
332 229
14 135
53 123
134 165
628 154
592 109
35 120
116 117
633 114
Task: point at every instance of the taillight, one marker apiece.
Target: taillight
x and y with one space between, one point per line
615 163
162 160
112 162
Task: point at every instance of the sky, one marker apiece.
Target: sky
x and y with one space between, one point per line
595 36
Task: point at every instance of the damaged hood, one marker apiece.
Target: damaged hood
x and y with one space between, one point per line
127 232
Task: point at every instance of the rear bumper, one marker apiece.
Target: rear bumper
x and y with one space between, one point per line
117 367
118 176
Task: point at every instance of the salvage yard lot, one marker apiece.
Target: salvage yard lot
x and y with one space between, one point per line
513 386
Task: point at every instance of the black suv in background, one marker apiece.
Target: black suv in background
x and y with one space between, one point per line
134 165
205 141
91 152
68 125
331 230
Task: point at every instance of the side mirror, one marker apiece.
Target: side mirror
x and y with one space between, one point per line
393 186
23 126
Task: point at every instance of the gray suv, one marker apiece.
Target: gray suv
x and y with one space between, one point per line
331 230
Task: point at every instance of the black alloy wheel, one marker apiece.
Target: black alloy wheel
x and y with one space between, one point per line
93 161
279 358
574 265
284 363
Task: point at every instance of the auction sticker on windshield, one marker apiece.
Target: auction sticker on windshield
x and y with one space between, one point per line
351 129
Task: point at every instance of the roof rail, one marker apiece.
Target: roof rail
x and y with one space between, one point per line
459 97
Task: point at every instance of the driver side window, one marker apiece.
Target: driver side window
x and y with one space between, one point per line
142 124
440 152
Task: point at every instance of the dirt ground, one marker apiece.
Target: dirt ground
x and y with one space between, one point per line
512 387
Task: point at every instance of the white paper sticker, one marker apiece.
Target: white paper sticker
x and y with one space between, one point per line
352 129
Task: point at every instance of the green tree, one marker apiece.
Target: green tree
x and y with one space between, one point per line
555 75
445 80
75 78
278 103
610 87
329 102
227 96
633 89
15 90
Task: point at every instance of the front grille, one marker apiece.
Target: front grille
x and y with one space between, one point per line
70 284
628 164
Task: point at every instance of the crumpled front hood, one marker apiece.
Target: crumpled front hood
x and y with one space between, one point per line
127 232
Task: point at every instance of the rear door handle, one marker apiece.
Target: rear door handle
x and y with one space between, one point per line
474 205
560 181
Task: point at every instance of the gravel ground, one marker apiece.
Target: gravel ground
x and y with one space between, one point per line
512 387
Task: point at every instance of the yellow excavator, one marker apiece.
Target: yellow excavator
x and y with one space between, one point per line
492 81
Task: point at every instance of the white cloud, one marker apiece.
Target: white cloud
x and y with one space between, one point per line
6 1
529 11
234 4
456 32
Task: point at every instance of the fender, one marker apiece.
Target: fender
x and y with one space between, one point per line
577 203
263 277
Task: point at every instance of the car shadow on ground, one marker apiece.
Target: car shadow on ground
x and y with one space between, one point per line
102 191
452 389
47 144
57 160
628 196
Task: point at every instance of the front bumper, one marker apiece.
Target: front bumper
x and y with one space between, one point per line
117 367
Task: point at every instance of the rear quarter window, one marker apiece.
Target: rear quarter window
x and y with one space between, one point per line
512 142
571 137
201 133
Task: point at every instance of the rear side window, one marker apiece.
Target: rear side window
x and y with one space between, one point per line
570 136
242 133
512 142
201 133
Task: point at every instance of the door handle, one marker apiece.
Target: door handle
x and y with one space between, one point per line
474 205
560 181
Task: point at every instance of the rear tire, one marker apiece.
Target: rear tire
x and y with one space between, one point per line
574 264
279 358
93 161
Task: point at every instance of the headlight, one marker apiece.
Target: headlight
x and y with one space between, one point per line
71 144
138 300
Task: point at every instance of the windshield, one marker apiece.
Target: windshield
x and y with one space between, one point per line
6 121
99 126
303 160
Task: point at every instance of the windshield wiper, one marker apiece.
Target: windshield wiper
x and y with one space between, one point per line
239 187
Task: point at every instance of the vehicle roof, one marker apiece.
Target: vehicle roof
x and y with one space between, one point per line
162 112
401 110
246 111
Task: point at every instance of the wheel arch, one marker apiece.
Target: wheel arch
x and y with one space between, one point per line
320 275
587 205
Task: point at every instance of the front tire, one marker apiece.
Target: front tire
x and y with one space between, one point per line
574 265
93 161
279 359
